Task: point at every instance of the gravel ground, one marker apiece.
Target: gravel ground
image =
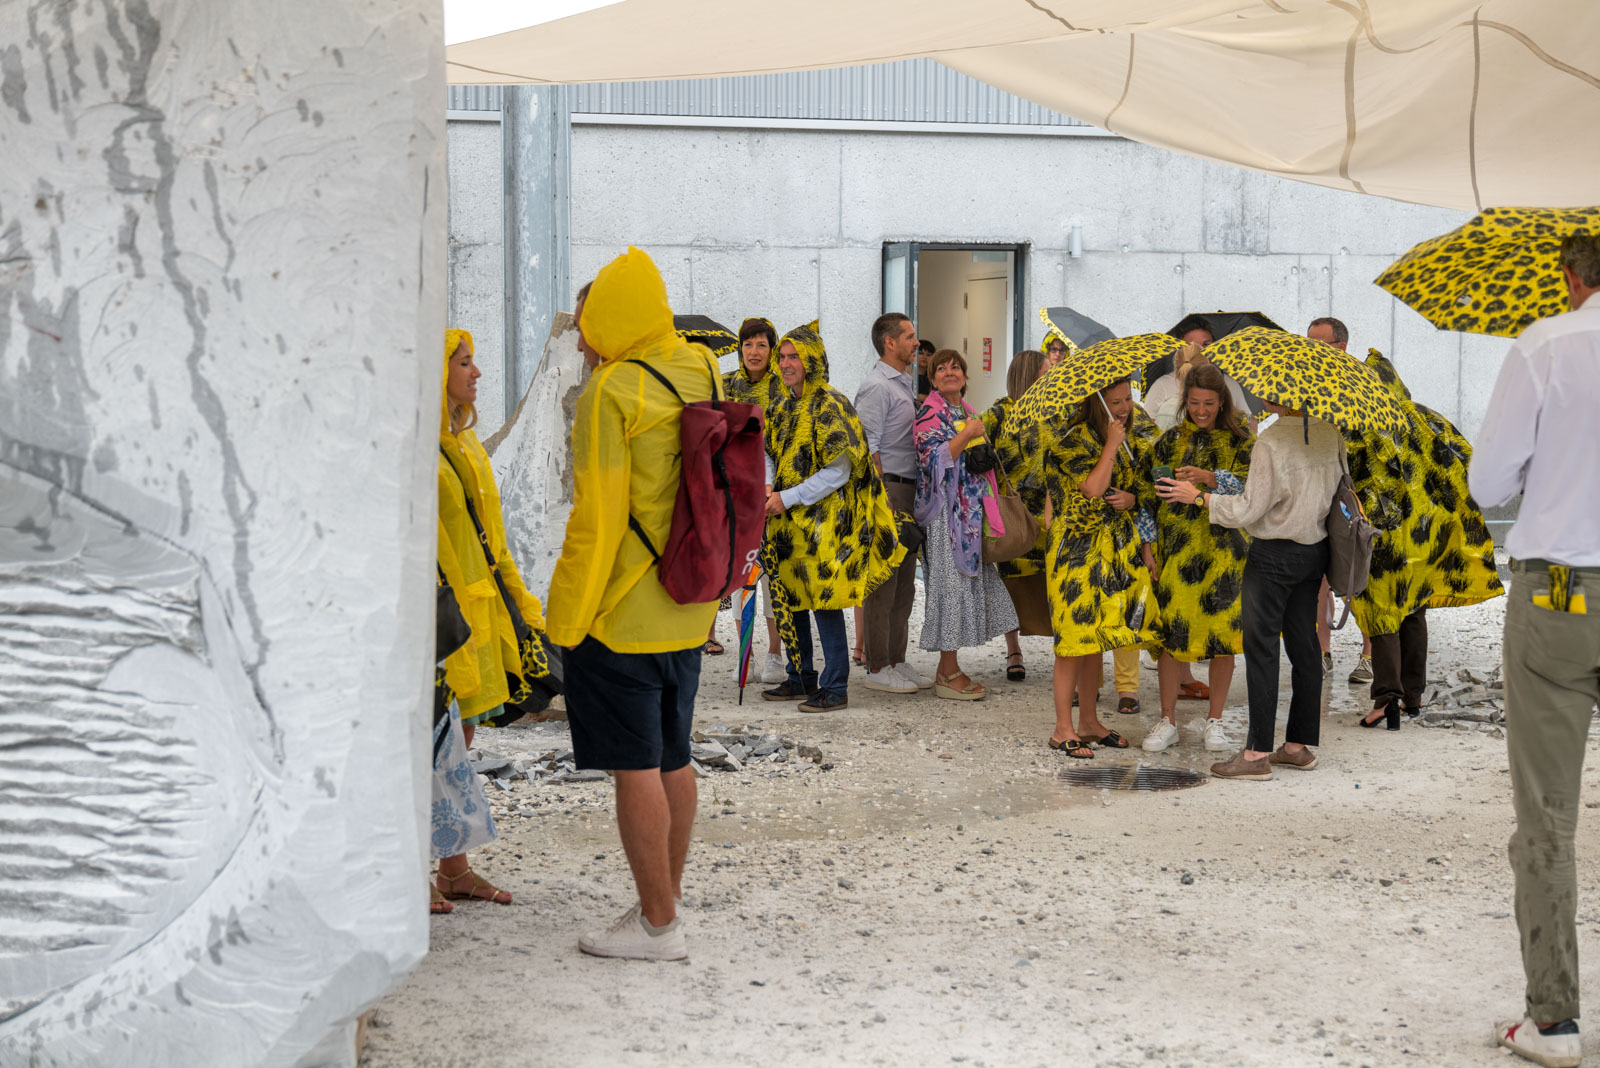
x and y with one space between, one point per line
938 894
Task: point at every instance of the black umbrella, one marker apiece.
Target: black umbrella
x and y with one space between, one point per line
1081 330
704 330
1220 324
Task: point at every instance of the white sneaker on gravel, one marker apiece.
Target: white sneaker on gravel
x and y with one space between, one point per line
630 937
1524 1038
1163 734
1216 736
776 669
913 676
888 680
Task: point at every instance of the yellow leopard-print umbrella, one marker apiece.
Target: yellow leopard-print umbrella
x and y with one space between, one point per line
1057 395
1495 274
1298 372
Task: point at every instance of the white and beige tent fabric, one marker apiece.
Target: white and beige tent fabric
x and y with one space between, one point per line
1457 103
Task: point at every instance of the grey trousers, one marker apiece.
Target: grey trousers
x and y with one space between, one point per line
887 611
1552 673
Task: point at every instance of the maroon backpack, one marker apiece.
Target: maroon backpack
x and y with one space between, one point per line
718 518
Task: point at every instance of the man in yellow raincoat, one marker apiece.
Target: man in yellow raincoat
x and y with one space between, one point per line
633 668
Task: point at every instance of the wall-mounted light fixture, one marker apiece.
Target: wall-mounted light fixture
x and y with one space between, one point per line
1075 239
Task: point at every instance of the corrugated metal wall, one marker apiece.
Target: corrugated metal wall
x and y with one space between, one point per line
913 90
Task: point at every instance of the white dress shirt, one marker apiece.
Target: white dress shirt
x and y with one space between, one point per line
1541 438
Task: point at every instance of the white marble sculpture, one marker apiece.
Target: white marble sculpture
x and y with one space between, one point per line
221 231
532 457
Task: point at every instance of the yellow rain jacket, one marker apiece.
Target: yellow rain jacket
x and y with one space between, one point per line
477 671
625 461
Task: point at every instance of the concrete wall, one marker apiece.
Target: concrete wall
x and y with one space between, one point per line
790 224
477 258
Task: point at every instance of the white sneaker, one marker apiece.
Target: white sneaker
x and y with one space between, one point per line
1523 1038
630 938
776 669
913 676
1163 734
889 680
1216 736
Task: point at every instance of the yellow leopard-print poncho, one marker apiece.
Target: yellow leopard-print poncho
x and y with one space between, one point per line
1201 564
833 553
1100 596
1433 548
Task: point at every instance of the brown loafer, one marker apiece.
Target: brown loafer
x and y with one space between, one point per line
1240 768
1305 760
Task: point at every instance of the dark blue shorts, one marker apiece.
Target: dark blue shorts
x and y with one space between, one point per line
630 711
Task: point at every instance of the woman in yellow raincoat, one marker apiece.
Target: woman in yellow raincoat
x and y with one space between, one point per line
1201 576
756 381
826 552
1019 459
1098 558
1433 548
477 672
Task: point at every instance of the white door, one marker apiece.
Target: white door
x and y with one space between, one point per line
988 341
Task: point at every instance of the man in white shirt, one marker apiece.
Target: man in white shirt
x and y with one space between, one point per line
1540 438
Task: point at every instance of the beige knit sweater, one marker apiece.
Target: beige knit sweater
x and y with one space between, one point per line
1291 483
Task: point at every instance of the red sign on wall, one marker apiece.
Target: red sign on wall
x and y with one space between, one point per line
988 355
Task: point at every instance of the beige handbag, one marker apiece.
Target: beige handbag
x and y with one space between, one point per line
1022 530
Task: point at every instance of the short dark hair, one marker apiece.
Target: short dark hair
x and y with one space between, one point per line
884 325
759 328
944 356
1580 251
1341 333
583 294
927 346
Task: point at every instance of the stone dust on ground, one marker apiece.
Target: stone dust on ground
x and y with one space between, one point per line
933 893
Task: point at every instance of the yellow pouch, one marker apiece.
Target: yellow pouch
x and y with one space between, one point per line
1561 598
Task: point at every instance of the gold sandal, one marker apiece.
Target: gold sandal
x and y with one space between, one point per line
944 687
476 890
437 905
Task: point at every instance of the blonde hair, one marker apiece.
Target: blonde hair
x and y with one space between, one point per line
1186 356
462 416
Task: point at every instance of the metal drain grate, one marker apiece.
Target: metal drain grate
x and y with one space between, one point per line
1131 777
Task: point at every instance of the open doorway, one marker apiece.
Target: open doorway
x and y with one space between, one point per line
962 297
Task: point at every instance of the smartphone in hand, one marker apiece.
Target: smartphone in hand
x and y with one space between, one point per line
1162 471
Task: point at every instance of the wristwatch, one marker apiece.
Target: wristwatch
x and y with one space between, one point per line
1202 500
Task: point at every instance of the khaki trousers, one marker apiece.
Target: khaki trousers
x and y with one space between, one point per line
886 614
1552 674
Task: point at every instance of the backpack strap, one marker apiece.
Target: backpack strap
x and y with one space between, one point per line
716 397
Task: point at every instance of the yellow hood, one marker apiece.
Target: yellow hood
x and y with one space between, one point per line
452 339
627 306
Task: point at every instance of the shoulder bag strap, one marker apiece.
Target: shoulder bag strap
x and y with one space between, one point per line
519 626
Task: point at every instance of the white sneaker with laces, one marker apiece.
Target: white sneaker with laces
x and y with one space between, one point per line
630 938
1163 734
776 669
1216 737
1524 1038
888 680
913 676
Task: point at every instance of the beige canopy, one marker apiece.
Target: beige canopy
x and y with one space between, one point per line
1458 103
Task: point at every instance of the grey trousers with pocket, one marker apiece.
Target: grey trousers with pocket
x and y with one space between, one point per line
1552 673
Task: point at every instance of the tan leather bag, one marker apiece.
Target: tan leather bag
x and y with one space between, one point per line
1022 530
